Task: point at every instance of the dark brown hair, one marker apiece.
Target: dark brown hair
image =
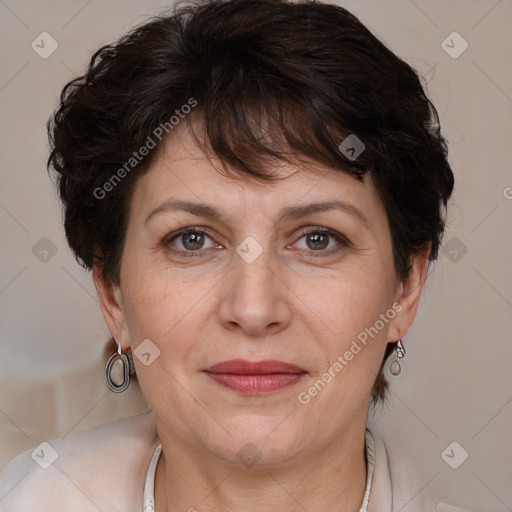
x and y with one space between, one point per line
308 72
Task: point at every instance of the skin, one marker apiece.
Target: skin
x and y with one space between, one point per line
294 303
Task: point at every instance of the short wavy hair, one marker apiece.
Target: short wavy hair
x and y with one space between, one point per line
270 79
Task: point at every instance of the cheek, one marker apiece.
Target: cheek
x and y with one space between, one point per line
156 309
162 306
349 302
355 311
150 300
352 345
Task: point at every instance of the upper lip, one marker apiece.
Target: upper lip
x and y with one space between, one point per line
264 367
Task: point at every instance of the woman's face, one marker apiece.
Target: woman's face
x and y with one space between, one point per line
256 286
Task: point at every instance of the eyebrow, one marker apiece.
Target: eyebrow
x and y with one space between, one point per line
287 213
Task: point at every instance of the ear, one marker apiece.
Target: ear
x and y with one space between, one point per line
408 296
112 308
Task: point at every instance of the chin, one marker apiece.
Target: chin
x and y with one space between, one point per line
256 440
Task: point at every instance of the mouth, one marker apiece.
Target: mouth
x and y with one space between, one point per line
257 377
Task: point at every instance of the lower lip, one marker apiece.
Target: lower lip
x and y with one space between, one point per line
256 384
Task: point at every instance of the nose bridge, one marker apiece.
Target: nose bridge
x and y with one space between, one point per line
255 300
253 263
255 282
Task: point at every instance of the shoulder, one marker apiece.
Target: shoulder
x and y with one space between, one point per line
103 468
399 484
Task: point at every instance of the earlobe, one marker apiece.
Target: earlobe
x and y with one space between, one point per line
110 299
408 296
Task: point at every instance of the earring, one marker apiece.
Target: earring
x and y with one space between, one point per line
117 371
395 367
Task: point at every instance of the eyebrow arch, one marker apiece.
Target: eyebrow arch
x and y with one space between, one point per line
287 213
297 212
199 209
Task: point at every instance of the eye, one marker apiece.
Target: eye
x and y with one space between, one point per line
318 239
191 239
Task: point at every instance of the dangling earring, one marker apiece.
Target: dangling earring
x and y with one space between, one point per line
395 367
113 373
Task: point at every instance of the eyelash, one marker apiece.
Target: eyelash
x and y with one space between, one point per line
342 240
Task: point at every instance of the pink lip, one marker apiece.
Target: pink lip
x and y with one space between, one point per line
253 378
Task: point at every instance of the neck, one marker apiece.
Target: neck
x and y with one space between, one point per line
191 479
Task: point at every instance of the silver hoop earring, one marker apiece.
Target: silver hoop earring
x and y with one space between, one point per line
395 367
117 371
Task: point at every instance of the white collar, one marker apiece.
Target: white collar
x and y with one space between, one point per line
148 504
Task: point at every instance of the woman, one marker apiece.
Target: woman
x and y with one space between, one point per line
257 187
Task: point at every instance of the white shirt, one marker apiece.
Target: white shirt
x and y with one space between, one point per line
111 468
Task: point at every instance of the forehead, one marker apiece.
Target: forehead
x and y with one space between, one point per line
183 169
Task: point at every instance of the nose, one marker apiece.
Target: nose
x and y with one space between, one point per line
256 299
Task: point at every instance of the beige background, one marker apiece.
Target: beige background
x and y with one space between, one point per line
456 379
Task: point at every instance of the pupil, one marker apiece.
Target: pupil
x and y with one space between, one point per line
317 237
196 240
